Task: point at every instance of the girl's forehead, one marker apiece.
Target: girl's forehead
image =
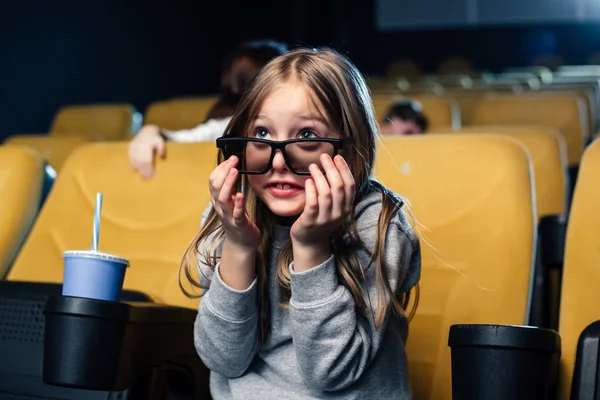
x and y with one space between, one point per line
292 98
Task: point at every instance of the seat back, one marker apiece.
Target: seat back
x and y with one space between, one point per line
97 122
440 112
54 149
473 196
179 114
149 222
564 112
467 101
585 92
581 273
570 82
21 189
548 153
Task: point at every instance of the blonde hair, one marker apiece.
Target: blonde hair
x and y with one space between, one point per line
341 91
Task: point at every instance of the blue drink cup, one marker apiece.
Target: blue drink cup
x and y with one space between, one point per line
93 275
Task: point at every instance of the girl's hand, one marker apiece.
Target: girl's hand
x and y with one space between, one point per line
329 200
230 207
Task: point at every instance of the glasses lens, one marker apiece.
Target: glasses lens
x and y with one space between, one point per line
234 149
302 154
254 156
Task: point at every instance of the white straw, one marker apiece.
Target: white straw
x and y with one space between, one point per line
97 212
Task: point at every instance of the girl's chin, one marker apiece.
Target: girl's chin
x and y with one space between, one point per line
287 212
285 208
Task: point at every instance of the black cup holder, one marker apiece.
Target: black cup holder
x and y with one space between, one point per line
504 362
101 345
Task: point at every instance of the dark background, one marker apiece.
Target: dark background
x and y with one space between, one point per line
67 52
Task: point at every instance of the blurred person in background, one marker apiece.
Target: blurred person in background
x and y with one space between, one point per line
239 69
404 118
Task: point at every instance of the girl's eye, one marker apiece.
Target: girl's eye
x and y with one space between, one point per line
308 134
261 133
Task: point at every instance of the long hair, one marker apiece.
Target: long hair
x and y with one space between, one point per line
340 89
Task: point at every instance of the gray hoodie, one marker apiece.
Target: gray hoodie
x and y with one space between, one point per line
321 347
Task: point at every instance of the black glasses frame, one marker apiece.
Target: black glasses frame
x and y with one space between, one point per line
338 144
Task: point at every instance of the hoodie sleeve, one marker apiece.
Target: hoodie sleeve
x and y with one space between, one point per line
334 343
226 329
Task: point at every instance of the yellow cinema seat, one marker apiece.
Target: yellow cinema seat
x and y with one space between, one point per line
547 150
473 198
564 112
179 114
581 274
149 222
21 188
98 122
54 149
440 112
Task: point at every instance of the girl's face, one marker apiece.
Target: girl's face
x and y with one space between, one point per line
289 112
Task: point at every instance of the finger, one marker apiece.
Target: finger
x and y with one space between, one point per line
132 156
349 182
219 174
160 148
323 192
146 168
311 204
336 185
227 190
239 209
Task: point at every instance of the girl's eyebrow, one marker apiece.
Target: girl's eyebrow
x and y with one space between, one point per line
301 117
313 117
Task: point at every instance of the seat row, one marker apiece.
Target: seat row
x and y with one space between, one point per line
473 195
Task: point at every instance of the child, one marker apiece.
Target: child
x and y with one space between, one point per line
306 272
405 118
239 69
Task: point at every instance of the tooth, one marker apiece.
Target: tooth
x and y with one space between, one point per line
279 186
286 186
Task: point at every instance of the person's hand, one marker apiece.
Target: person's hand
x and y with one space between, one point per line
146 144
329 201
229 205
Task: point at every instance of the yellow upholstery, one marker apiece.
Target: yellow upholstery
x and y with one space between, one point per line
581 274
547 150
148 222
473 196
467 102
55 150
588 95
21 185
564 112
179 114
441 112
97 122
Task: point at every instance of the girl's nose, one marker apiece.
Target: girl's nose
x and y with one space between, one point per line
279 162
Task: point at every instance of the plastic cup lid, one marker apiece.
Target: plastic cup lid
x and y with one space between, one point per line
95 254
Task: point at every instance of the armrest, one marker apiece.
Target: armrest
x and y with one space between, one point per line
503 361
586 374
553 232
102 345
